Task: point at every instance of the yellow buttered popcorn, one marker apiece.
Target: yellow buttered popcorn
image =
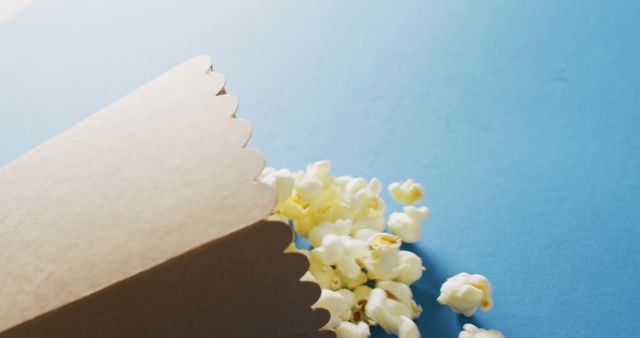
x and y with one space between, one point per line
343 220
472 331
406 225
308 190
464 292
408 192
326 275
383 261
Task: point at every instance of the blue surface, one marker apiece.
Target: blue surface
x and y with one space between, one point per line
521 119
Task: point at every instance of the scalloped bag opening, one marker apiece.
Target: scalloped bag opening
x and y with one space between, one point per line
145 220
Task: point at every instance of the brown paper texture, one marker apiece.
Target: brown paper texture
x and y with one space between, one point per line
145 221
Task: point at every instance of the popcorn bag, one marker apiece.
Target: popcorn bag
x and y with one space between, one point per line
146 220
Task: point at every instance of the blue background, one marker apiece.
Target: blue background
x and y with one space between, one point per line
520 118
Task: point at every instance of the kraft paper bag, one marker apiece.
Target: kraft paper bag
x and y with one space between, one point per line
145 220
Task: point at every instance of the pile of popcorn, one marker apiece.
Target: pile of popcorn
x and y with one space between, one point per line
364 274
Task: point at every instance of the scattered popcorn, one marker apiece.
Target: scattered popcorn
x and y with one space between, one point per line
365 234
472 331
464 292
409 192
386 312
308 189
402 293
281 180
383 261
338 303
410 267
377 310
343 220
340 227
343 252
408 328
373 221
326 275
352 283
406 225
321 171
361 294
351 330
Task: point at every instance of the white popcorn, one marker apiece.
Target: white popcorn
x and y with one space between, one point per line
343 252
340 228
329 204
338 303
355 185
350 283
387 312
410 267
349 299
464 292
365 234
375 186
406 225
383 260
321 171
336 209
374 220
472 331
363 196
325 275
266 172
308 189
361 294
332 250
343 220
281 180
408 329
351 330
377 309
402 293
407 193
